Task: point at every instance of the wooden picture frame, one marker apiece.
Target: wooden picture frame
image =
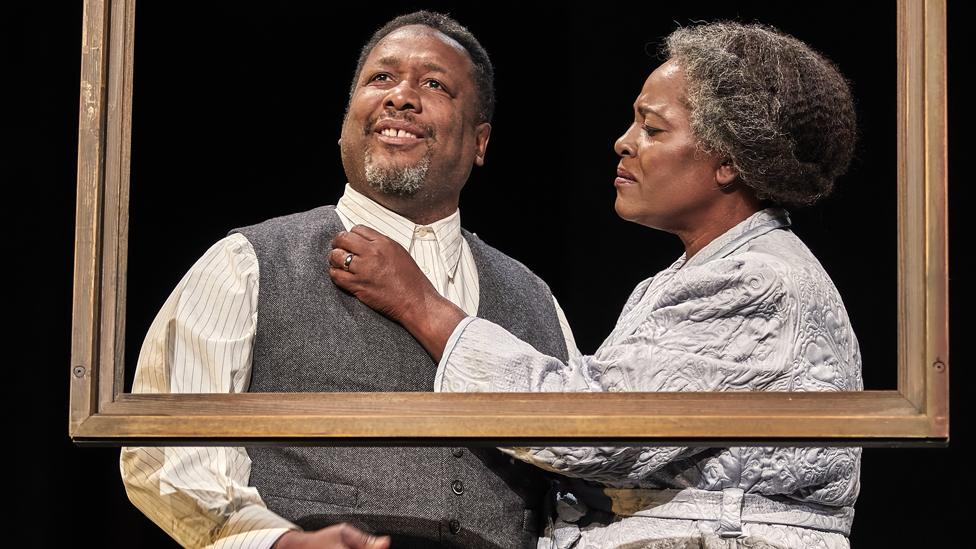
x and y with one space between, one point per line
914 414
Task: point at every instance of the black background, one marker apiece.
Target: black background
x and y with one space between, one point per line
237 110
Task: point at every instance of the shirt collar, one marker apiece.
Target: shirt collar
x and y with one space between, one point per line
361 210
753 226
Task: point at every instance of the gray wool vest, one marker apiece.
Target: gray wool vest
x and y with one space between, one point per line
313 337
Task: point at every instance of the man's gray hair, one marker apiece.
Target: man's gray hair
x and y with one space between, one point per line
778 110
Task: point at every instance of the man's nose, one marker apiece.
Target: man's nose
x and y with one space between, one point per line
403 97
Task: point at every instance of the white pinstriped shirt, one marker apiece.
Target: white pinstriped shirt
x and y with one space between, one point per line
201 342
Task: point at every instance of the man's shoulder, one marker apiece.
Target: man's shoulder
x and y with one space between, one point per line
296 225
299 219
488 255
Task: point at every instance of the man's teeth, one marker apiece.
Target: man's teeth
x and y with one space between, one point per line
390 132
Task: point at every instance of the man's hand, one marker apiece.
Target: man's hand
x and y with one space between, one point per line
340 536
381 274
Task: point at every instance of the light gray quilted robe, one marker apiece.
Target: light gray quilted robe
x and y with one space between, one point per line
752 311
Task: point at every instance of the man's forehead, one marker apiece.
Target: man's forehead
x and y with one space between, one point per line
410 37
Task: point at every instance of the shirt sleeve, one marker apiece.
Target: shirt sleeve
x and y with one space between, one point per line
726 325
571 349
201 342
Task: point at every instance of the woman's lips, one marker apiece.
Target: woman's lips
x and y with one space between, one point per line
624 178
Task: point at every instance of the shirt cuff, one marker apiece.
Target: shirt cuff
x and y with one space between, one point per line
448 349
253 527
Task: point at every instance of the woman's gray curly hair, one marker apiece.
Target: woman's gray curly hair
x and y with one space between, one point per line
781 112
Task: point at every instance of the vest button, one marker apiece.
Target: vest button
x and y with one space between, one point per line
457 487
455 526
457 452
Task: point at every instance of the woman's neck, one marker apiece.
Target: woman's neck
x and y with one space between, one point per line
718 222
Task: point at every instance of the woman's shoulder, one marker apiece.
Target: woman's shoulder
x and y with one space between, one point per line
775 270
826 347
783 253
778 255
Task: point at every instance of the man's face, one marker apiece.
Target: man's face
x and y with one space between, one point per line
412 122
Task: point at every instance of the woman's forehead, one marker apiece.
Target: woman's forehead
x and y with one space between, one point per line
663 91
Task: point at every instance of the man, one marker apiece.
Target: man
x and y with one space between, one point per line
259 313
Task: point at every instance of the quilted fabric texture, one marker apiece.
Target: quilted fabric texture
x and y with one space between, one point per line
752 311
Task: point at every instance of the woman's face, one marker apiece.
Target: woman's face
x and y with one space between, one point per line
663 180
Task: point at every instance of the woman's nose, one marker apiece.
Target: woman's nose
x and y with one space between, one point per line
624 146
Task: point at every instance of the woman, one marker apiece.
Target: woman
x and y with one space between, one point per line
738 122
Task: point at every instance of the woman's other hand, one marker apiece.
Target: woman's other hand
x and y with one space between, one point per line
381 274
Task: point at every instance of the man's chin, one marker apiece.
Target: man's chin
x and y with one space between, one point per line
392 158
394 164
399 188
398 180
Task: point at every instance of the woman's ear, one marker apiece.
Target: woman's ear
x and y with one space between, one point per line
726 173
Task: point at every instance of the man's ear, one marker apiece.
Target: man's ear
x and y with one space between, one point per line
726 173
482 133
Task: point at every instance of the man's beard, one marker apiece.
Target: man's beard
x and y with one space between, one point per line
397 180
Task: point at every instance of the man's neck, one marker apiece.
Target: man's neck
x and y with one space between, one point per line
421 208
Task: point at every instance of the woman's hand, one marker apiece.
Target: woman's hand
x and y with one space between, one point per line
381 274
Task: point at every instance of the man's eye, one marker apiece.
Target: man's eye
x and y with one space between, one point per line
381 77
649 130
435 85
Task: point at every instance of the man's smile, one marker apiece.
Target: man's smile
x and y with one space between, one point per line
400 132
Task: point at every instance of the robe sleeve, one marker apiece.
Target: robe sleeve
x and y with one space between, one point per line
722 326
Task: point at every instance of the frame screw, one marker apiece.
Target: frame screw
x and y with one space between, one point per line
939 366
78 371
